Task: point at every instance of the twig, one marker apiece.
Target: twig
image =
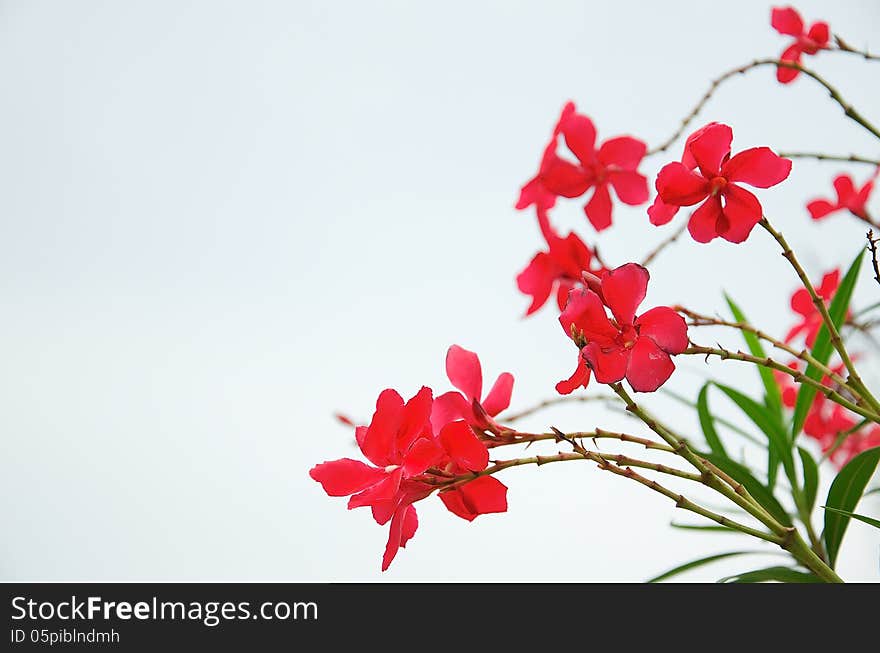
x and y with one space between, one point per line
846 158
547 403
843 46
872 246
663 245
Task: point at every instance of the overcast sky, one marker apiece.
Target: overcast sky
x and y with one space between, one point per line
220 222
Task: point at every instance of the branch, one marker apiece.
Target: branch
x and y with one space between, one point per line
846 158
843 46
547 403
516 437
663 245
872 246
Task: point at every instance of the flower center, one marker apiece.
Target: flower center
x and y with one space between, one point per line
628 336
716 185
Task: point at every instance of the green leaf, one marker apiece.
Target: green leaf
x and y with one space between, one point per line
693 564
764 420
708 423
758 490
718 420
772 395
697 527
779 574
868 520
844 494
822 346
811 478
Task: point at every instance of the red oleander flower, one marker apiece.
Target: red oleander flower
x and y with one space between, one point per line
728 210
848 198
802 304
787 21
615 163
637 348
558 268
465 373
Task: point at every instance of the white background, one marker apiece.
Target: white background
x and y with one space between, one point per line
221 222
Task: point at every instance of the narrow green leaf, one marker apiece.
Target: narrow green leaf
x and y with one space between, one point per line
811 478
757 489
708 423
764 420
844 494
693 564
772 395
779 574
822 346
868 520
697 527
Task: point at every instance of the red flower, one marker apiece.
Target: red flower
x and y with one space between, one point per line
802 304
559 267
848 198
465 373
786 20
717 177
637 348
614 163
535 192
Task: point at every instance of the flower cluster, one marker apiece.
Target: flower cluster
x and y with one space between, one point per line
787 21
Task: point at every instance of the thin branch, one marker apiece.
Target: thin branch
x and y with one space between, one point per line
547 403
663 245
846 158
516 437
843 46
872 246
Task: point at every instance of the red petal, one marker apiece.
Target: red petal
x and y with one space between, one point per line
608 364
410 525
464 447
820 208
449 407
378 494
678 186
345 476
802 303
649 366
395 533
498 398
579 378
586 312
630 186
624 152
623 289
786 20
660 212
703 223
378 444
843 185
598 209
819 32
464 371
580 136
665 327
757 166
478 497
566 179
537 280
686 157
830 282
424 453
711 147
783 74
416 418
742 212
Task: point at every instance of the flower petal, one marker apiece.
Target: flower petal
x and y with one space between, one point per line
820 208
678 186
623 289
580 136
345 476
659 213
423 453
566 179
378 495
416 416
830 282
395 533
793 54
711 147
537 280
630 186
498 398
608 364
378 444
742 212
844 187
624 152
464 447
758 166
464 371
598 209
649 366
483 495
703 222
802 303
586 312
410 525
665 327
786 20
448 407
579 378
819 32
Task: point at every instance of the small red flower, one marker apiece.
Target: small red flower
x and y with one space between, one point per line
465 373
558 268
802 304
535 192
787 21
728 210
614 163
638 348
848 198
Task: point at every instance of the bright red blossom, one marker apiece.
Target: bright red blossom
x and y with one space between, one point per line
728 210
787 21
848 198
637 348
614 163
802 304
